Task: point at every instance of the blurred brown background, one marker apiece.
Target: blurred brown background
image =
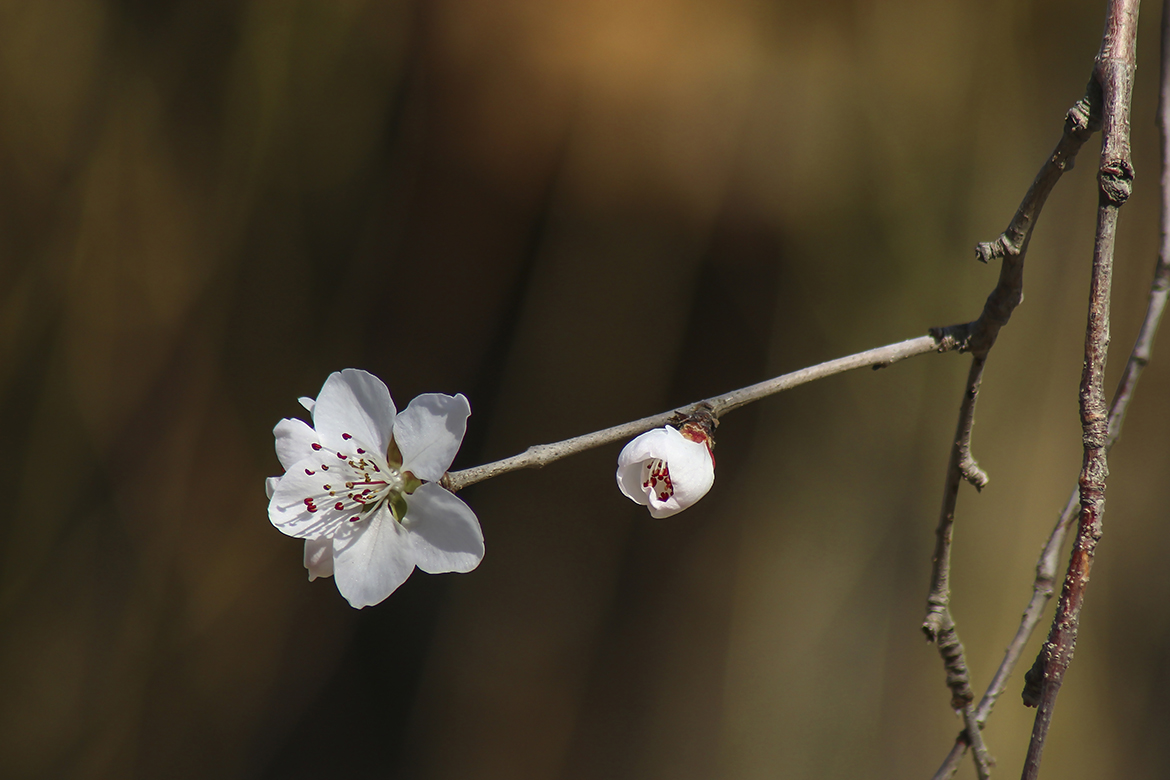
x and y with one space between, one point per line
576 213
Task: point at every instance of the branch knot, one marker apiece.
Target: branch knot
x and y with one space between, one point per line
1116 181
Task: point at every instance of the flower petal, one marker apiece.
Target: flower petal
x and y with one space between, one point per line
357 404
691 472
428 433
304 501
270 484
444 532
319 558
370 563
294 441
648 445
629 479
306 402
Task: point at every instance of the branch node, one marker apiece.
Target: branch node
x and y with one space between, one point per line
972 473
952 338
986 251
932 625
1084 118
951 650
1116 181
1034 682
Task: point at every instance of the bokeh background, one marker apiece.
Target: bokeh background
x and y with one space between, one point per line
576 213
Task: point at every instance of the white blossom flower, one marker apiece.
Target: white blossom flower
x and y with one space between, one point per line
360 487
667 470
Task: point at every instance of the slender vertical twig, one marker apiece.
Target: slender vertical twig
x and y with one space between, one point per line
1116 64
978 337
1139 358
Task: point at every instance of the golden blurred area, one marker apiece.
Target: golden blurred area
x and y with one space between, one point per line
576 214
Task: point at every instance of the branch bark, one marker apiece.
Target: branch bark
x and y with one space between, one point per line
1114 72
540 455
1044 584
978 337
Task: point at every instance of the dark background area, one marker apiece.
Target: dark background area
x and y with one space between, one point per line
575 213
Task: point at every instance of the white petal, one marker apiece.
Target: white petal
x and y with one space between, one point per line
444 532
294 441
270 484
293 515
428 433
307 402
354 403
370 563
649 445
629 479
319 558
692 473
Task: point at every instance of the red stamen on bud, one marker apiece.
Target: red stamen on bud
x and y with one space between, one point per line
658 473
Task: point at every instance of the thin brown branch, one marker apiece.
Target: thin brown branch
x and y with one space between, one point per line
939 625
1114 71
978 337
1042 590
540 455
1044 583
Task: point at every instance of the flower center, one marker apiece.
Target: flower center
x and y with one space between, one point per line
656 479
361 483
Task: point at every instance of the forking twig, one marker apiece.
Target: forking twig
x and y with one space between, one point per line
979 337
1139 357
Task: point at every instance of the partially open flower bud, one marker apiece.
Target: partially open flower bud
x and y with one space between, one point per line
668 469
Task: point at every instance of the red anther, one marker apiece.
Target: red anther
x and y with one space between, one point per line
312 509
349 484
327 487
361 451
308 502
316 446
310 472
355 518
324 467
339 506
346 436
341 455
